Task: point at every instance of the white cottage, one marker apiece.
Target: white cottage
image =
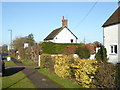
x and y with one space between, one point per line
62 34
111 36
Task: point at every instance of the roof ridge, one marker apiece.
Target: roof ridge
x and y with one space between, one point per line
113 19
55 32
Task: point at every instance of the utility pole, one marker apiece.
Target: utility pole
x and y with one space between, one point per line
10 38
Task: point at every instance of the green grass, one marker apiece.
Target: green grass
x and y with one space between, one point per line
0 83
64 83
9 63
18 80
26 62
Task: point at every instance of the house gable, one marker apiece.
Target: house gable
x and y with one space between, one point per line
111 37
55 32
65 36
72 33
113 19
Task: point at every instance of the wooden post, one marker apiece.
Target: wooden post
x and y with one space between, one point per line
39 61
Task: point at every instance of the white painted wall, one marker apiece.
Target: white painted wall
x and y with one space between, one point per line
119 43
92 56
111 38
74 55
65 36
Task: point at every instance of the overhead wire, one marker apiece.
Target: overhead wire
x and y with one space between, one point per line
86 15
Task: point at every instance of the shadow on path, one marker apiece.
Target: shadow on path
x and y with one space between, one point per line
39 80
12 70
18 82
17 61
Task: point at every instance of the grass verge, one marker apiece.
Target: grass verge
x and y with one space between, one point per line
64 83
18 80
25 62
9 63
0 83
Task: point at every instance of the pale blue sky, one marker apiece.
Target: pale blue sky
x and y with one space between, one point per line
41 18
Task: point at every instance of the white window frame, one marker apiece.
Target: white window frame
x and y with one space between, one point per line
113 51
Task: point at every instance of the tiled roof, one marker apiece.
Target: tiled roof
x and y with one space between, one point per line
55 32
114 18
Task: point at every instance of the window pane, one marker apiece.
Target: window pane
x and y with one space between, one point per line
111 49
115 50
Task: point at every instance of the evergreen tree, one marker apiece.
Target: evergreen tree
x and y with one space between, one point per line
30 40
101 54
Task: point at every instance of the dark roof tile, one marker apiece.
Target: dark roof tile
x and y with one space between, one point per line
55 32
114 18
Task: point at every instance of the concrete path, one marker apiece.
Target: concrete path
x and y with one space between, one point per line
39 80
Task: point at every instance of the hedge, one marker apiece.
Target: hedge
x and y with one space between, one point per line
83 52
80 70
46 61
88 73
105 76
56 48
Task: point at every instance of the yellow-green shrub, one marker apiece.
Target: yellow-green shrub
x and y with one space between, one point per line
62 66
81 70
84 71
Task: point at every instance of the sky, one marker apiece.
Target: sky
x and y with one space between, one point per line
85 19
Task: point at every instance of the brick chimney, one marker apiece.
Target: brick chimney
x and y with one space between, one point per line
64 22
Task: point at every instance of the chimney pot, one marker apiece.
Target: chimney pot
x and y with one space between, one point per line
62 17
64 22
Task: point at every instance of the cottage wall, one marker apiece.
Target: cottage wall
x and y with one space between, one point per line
119 43
65 36
111 38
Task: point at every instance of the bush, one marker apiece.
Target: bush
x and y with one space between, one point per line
62 66
90 47
105 76
83 52
70 50
22 53
118 75
32 53
101 54
81 70
46 60
88 73
84 71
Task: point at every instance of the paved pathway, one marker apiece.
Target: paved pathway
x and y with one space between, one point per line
38 79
